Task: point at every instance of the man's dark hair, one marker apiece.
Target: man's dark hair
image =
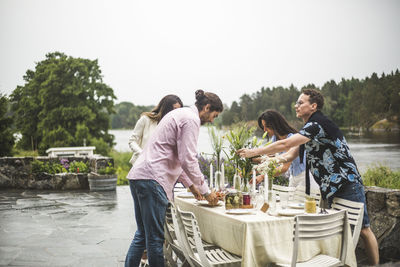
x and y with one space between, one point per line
315 97
204 98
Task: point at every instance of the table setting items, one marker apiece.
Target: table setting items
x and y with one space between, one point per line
185 194
310 205
323 206
207 204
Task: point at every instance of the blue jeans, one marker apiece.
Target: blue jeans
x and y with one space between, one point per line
150 203
353 192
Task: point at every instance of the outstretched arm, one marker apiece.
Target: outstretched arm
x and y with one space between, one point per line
279 146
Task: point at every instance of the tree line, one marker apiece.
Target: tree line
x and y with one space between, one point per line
127 114
64 102
351 103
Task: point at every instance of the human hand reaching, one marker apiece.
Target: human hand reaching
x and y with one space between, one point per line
196 193
212 198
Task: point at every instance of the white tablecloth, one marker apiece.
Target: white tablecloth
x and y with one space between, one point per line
259 238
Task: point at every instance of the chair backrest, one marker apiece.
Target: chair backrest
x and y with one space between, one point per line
169 225
317 227
191 228
300 194
180 246
355 211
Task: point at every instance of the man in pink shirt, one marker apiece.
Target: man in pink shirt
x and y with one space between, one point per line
169 156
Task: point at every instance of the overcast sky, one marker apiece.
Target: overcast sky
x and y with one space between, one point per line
147 49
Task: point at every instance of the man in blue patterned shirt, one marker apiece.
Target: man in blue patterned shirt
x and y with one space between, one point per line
328 158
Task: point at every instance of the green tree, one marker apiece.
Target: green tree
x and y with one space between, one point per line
6 134
127 114
350 103
63 101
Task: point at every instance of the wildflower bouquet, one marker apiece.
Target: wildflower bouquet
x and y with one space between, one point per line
269 167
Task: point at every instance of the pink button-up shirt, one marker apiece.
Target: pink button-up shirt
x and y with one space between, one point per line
171 153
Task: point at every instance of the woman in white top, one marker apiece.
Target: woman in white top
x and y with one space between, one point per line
147 123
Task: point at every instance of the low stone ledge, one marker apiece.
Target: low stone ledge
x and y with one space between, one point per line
16 172
384 212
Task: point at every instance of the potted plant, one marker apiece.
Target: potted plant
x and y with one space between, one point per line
104 179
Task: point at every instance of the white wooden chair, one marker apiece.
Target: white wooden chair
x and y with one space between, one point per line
300 194
355 211
172 248
199 256
278 190
183 242
317 227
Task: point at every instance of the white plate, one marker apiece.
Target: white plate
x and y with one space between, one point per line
185 195
296 205
240 211
272 213
205 203
290 212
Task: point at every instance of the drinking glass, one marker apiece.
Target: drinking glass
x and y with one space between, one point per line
272 202
284 197
260 197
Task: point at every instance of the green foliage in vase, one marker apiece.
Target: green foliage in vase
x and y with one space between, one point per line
63 102
241 137
217 141
281 180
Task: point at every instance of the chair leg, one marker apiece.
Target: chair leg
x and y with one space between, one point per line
144 263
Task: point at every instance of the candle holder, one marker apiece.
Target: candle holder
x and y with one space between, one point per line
219 183
237 183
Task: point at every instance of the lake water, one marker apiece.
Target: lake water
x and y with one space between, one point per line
367 150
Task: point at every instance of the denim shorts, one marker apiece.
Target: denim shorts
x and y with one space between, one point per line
354 192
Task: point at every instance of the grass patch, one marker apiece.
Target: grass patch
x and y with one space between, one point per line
24 153
122 165
382 176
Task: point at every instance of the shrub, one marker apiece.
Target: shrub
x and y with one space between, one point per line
78 167
107 170
25 153
122 164
382 176
37 166
49 167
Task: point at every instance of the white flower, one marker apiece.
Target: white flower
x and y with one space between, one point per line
267 165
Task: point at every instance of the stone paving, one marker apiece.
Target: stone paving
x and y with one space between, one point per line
69 228
74 228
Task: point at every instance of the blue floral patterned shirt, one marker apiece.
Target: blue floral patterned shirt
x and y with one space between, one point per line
329 159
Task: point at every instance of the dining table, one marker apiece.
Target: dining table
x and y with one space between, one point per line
260 238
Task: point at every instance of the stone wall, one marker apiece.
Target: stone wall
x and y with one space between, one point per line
16 173
384 212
